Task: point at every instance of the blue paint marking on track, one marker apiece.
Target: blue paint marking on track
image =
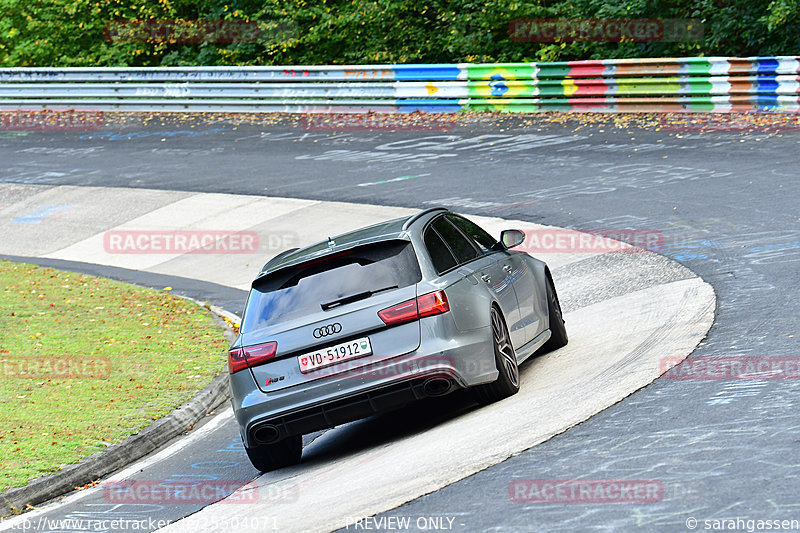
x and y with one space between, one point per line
42 213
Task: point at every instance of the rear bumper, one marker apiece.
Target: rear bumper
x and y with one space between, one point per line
348 409
462 358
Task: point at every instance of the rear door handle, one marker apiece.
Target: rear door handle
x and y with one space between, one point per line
486 278
507 268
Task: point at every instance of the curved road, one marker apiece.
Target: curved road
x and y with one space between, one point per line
725 204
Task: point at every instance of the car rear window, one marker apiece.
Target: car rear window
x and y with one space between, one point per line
310 287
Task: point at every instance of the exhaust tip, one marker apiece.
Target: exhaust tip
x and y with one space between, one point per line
437 386
267 434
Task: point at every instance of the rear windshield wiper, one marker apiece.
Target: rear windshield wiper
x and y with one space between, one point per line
354 298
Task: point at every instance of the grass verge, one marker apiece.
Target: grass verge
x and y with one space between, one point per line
86 362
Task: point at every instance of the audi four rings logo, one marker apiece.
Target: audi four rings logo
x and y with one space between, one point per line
330 329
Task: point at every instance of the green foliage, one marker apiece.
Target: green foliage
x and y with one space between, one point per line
71 32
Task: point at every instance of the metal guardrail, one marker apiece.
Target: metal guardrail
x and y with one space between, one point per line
715 84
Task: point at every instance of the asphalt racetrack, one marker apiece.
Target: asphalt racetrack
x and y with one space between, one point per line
723 203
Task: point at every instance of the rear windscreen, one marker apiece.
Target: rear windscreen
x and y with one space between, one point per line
327 283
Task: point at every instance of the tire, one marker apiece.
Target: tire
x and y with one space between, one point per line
270 457
558 331
507 382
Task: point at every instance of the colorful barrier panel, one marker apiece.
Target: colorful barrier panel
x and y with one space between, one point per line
694 84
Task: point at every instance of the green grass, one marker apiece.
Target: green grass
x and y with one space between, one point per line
147 353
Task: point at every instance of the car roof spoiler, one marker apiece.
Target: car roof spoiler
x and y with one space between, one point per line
422 214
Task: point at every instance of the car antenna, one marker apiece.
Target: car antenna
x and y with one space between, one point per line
331 242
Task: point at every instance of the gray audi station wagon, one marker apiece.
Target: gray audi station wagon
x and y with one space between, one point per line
377 318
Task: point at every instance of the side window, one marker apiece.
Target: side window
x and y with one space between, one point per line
481 238
459 245
440 254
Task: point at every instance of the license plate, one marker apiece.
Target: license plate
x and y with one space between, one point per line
334 354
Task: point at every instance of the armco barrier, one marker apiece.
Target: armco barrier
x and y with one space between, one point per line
699 84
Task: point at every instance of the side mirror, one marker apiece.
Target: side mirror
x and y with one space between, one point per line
512 237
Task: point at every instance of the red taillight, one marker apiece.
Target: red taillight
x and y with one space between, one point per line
397 314
433 303
236 361
259 354
241 358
